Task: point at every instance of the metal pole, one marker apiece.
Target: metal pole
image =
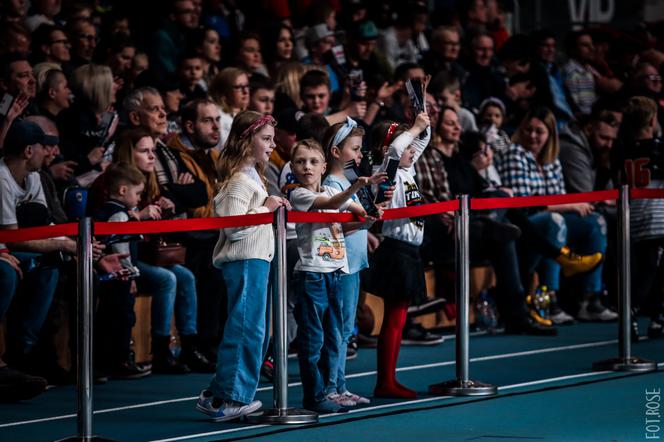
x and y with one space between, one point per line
625 361
85 312
84 330
463 281
462 385
281 414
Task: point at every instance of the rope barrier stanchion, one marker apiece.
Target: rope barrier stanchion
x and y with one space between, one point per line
462 385
625 361
281 414
85 311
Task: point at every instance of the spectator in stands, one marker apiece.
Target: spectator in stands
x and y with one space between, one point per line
363 54
397 42
639 163
444 53
173 286
578 75
248 56
585 152
483 79
83 39
87 126
545 50
320 40
230 89
145 108
53 91
50 44
169 41
118 54
278 47
446 89
23 203
287 84
190 72
206 44
261 97
531 167
17 77
42 12
315 93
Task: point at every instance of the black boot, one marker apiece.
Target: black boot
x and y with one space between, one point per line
163 360
193 357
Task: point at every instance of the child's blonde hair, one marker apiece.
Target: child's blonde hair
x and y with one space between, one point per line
310 144
239 147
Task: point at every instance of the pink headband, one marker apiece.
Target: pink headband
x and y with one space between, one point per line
262 121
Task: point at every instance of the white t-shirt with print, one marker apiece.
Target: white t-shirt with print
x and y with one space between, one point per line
321 246
12 194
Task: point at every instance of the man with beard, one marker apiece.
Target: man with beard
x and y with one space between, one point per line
200 134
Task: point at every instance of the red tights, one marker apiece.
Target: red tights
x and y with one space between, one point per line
389 342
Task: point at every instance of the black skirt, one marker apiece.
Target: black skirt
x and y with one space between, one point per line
397 272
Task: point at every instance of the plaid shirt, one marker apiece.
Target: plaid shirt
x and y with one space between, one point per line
580 83
519 171
431 176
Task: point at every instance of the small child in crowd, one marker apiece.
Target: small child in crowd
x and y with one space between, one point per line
323 261
397 273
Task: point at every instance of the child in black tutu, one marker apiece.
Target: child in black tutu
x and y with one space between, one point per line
397 273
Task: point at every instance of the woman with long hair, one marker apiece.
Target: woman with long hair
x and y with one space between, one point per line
230 90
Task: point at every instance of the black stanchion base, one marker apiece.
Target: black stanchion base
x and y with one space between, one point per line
631 364
87 439
457 387
277 416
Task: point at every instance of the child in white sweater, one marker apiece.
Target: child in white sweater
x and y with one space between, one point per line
244 254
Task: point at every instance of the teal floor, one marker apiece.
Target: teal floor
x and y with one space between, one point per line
547 391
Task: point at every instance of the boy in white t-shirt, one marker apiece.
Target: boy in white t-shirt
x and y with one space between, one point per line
322 253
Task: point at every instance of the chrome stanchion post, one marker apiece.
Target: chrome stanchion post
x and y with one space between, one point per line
625 361
462 385
281 414
85 312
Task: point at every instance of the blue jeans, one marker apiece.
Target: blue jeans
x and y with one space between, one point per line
239 358
349 292
172 288
31 307
584 234
319 321
8 285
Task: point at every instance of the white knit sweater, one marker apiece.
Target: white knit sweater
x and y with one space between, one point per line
242 196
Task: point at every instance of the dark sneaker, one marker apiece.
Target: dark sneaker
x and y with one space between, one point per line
528 326
130 369
197 362
18 386
656 328
415 334
351 353
365 341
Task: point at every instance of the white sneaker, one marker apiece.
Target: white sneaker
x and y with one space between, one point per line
561 318
595 311
356 398
339 399
227 410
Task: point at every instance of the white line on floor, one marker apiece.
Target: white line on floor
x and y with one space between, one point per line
397 404
295 384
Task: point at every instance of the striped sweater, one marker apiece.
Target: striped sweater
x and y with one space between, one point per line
242 196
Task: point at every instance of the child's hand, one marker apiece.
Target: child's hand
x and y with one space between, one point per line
378 177
273 202
422 121
150 212
361 182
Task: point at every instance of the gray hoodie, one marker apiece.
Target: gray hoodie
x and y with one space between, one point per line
576 157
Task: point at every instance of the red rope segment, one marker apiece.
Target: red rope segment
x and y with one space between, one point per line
182 225
42 232
646 194
539 201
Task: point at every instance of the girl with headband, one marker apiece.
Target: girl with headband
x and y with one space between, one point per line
244 254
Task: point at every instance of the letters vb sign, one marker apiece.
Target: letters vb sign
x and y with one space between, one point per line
638 175
593 11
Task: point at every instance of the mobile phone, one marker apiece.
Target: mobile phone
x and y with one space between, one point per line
355 78
392 166
6 104
364 195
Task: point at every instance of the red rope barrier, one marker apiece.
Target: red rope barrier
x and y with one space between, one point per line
646 194
147 227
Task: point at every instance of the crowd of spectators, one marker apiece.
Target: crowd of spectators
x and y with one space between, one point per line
110 114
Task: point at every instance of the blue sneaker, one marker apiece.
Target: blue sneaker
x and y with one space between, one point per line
222 411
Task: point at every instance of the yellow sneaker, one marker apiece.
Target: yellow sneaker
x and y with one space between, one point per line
572 264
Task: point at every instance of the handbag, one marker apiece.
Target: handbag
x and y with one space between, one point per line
164 253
